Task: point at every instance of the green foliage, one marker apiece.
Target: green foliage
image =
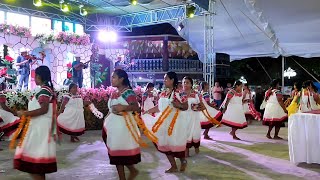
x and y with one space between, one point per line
97 75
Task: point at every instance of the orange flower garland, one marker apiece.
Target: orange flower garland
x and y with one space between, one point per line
161 119
144 129
134 133
23 128
173 122
211 119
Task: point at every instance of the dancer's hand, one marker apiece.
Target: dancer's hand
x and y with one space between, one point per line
118 108
176 104
20 113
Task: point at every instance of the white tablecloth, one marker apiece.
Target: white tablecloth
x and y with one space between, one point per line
304 138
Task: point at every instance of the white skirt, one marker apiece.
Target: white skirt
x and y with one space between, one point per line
71 121
234 116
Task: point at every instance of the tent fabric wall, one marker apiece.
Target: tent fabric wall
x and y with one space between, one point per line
257 28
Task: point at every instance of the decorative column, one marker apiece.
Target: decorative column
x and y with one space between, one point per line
165 55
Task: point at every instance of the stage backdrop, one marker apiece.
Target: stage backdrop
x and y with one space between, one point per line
58 55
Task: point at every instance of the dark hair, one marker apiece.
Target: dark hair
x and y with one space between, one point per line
236 83
150 85
123 74
274 83
174 76
307 83
246 84
72 85
190 79
45 75
203 84
298 85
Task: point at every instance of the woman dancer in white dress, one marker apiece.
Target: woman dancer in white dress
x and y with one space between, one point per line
119 129
37 153
170 127
70 117
148 100
248 106
233 114
308 97
9 122
212 110
194 129
275 112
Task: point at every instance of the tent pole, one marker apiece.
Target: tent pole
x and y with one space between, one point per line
282 71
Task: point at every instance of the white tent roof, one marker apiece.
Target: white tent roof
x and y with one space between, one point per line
255 28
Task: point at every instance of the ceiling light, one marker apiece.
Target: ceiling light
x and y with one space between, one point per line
37 3
190 11
134 2
107 36
63 6
83 12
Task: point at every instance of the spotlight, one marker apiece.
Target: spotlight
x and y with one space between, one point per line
37 3
134 2
107 36
180 27
63 7
190 11
83 12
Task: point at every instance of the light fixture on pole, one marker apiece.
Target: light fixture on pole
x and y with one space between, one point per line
37 3
83 12
63 6
289 73
243 80
180 27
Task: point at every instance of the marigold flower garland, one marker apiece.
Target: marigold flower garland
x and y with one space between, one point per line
144 129
161 119
134 133
211 119
23 128
173 122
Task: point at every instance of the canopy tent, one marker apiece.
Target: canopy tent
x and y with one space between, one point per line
255 28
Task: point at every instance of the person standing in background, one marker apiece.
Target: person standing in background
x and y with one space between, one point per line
23 69
217 91
77 71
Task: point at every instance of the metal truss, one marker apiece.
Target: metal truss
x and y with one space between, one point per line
209 58
107 27
151 17
31 12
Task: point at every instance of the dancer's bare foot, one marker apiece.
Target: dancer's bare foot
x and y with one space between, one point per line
268 136
76 138
184 164
172 170
197 150
207 137
277 138
133 174
73 140
236 138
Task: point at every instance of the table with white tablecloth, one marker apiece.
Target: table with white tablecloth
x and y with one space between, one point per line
304 138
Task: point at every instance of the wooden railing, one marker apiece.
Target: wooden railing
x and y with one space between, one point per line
155 65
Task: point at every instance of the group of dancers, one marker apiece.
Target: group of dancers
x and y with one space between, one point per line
172 121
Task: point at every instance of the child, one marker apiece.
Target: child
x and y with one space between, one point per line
233 114
119 129
37 153
70 116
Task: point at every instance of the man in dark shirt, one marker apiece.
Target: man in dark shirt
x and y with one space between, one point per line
77 71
